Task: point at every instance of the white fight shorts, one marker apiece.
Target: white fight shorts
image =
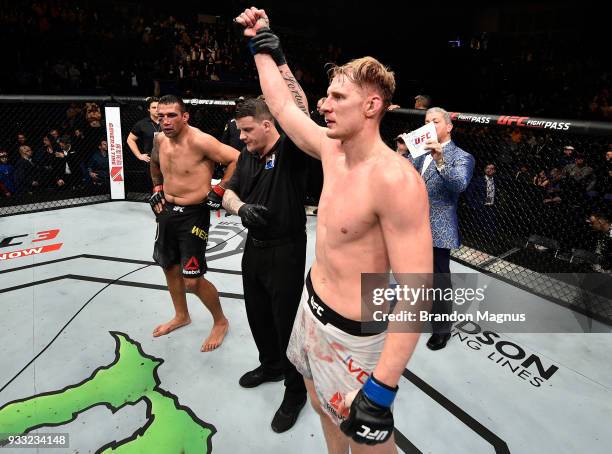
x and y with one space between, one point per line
332 351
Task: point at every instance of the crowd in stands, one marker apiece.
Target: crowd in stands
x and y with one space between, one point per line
545 183
68 157
549 75
66 47
69 47
531 183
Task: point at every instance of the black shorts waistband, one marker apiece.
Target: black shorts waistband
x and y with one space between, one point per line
326 315
174 208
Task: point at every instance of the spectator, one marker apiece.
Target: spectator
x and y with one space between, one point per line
579 172
482 196
7 185
400 146
522 176
25 174
567 158
72 176
516 136
98 167
553 187
20 140
422 102
601 223
541 181
51 162
602 186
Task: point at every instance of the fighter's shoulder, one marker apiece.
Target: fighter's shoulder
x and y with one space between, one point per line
199 138
394 172
159 139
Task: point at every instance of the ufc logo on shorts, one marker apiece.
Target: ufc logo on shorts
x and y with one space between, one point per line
179 209
315 307
377 435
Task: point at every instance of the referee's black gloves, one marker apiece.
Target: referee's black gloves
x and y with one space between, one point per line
253 215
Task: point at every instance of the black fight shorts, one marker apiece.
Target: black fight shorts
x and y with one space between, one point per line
181 238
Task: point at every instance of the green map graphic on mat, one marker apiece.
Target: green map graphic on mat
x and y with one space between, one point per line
132 377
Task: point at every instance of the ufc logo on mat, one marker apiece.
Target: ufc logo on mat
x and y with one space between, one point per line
377 435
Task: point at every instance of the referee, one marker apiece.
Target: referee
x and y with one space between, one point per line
267 191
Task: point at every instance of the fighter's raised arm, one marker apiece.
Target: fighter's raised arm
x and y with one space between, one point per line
284 96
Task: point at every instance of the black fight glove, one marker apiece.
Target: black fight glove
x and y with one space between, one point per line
157 199
266 42
370 419
215 197
253 215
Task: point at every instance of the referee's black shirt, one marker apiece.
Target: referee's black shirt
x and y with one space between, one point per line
277 181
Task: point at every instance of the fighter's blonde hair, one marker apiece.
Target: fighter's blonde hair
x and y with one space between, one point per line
367 71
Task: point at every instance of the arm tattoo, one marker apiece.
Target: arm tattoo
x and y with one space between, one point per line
296 90
156 174
231 202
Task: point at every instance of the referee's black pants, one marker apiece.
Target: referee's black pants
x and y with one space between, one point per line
273 279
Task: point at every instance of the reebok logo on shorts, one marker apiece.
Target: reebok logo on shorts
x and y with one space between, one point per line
333 406
335 402
192 266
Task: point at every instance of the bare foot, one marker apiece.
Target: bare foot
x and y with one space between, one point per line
216 336
173 324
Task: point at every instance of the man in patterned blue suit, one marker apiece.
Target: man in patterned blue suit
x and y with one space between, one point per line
447 171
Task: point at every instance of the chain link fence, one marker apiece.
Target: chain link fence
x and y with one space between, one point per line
53 150
52 153
549 177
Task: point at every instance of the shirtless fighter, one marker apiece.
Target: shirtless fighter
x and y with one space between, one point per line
373 217
182 163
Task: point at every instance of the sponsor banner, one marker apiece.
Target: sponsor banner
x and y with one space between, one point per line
30 251
511 356
472 118
209 102
545 124
115 152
